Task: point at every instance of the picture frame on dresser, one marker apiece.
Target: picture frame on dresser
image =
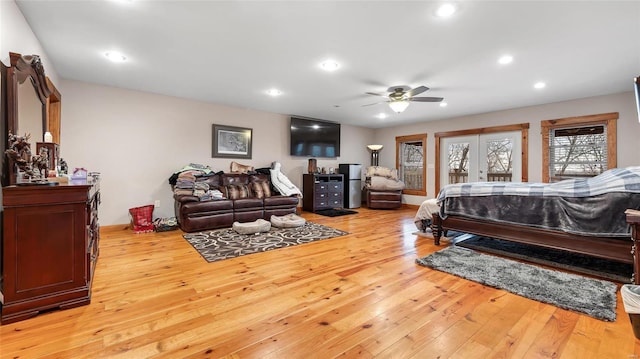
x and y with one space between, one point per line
231 142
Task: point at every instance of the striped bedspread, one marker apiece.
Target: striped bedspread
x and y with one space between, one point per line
620 180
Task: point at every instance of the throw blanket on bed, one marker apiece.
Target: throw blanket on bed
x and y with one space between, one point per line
623 180
590 206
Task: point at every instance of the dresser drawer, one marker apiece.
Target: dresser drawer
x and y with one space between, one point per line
335 186
321 187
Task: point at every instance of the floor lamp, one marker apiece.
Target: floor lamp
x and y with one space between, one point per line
375 151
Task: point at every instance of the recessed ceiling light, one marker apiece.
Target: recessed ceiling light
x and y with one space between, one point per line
446 10
443 104
329 65
274 92
539 85
505 59
381 115
115 56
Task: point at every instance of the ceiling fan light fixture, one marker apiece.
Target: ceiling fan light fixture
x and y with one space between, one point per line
443 104
399 106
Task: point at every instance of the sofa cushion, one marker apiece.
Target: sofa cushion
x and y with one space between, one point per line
236 191
247 203
260 189
204 207
281 201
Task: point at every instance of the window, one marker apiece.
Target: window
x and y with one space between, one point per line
411 163
582 146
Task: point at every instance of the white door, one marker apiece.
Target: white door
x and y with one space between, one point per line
481 158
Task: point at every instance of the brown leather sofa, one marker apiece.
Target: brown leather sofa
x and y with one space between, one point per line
194 215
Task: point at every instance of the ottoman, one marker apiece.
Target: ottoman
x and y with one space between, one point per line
287 221
257 226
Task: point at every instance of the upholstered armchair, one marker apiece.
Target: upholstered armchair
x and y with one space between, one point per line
383 188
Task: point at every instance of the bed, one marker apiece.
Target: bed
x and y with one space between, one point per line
584 215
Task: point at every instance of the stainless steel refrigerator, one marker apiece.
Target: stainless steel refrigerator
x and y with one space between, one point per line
352 184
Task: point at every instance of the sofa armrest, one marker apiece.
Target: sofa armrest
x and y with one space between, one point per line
185 198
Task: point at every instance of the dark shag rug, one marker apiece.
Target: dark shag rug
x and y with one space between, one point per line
594 297
226 243
575 262
334 212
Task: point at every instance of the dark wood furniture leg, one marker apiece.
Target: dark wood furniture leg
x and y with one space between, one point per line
436 228
633 218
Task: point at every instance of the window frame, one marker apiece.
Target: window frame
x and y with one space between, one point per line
605 119
421 137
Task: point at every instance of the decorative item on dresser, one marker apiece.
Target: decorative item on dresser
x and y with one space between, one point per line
52 230
322 191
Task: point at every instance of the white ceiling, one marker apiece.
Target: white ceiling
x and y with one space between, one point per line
231 52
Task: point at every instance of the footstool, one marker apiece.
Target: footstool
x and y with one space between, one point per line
287 221
257 226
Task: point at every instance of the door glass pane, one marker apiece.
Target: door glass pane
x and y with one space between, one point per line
499 160
458 162
412 165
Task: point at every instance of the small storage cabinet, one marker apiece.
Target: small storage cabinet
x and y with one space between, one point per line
49 247
322 191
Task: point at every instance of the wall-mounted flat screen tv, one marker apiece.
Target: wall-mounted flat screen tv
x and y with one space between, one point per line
314 138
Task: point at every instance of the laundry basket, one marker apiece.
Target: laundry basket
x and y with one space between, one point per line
631 300
142 219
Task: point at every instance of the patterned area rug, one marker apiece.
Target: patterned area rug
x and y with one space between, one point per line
226 243
593 297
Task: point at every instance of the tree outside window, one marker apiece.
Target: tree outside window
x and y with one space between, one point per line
578 146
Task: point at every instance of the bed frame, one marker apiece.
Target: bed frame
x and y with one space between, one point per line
616 249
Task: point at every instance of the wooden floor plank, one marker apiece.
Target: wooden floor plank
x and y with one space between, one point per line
360 295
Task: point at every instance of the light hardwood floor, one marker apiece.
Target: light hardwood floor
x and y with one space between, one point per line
355 296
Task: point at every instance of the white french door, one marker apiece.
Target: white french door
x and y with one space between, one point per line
494 157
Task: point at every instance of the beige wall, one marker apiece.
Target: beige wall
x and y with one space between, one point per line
624 103
137 140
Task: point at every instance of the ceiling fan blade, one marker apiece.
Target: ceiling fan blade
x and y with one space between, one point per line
416 91
426 99
371 104
375 94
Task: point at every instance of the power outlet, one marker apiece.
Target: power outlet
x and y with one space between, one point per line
157 204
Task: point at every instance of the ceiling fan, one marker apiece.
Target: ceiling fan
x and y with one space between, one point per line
400 96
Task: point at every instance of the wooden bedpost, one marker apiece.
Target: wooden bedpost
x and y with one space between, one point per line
436 228
633 218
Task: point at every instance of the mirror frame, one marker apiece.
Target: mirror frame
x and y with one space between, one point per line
23 67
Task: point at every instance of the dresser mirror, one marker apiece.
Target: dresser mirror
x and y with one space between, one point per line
26 99
27 96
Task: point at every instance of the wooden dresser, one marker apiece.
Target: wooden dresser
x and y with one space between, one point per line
49 249
322 191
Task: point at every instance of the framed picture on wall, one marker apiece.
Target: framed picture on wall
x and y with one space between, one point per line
231 142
